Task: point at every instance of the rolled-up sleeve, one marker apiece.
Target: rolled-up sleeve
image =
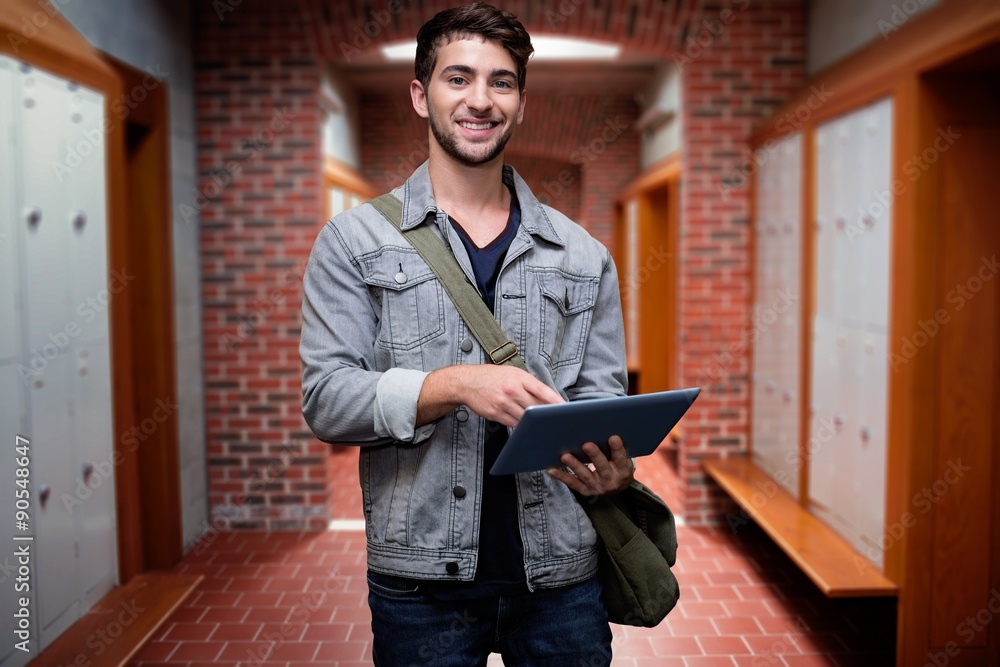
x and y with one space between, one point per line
345 400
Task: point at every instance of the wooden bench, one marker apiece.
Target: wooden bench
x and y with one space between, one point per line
835 566
114 630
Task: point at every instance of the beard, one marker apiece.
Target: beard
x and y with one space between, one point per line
479 154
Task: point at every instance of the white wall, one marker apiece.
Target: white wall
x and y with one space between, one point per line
157 36
662 97
837 28
341 131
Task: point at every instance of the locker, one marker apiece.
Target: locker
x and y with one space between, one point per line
11 411
775 370
85 215
853 189
870 437
41 215
55 373
50 428
9 281
822 471
95 471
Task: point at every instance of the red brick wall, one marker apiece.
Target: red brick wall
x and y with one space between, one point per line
735 70
258 225
259 203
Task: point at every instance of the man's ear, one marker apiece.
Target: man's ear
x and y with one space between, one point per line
520 110
419 97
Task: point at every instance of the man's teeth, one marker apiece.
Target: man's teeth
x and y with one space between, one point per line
476 126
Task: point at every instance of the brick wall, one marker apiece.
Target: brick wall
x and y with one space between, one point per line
260 206
259 203
736 69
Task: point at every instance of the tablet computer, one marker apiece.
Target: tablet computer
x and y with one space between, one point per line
546 432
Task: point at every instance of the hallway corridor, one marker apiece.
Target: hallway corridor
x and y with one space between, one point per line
296 599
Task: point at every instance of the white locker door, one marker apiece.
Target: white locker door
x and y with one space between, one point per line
86 231
10 319
95 513
11 410
43 214
871 439
85 216
51 433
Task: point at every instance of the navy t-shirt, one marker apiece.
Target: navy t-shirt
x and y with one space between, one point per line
500 570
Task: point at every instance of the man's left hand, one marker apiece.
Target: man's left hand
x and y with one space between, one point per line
603 476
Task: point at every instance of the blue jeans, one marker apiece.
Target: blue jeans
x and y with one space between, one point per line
552 627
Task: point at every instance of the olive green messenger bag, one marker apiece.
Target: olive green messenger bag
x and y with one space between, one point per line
635 526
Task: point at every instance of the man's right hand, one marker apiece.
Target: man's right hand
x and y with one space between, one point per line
496 393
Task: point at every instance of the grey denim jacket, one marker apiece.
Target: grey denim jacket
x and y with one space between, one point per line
376 321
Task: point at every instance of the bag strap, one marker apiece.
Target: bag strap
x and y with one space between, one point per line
470 305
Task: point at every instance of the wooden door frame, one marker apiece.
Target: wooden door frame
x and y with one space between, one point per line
152 438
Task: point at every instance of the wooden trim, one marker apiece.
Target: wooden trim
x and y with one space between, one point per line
752 225
823 555
124 347
48 41
336 172
147 128
950 30
807 311
666 170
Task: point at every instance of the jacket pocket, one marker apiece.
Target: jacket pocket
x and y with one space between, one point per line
567 305
411 298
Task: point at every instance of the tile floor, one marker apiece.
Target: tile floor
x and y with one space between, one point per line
291 599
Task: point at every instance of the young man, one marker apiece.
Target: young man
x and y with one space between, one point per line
462 563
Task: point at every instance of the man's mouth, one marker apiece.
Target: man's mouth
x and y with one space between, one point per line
482 125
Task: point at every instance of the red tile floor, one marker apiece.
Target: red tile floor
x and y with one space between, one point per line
291 599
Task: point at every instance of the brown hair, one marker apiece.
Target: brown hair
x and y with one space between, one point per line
479 19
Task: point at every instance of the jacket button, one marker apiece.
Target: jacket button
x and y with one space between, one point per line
451 568
466 345
459 491
400 277
462 415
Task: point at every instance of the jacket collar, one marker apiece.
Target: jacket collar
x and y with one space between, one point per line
418 203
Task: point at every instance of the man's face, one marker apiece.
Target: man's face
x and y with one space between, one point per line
471 100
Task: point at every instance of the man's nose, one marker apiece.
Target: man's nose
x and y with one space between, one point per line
479 97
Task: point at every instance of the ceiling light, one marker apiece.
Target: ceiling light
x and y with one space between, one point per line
564 49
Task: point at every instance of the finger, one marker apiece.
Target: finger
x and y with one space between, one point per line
572 481
582 472
619 456
542 392
600 461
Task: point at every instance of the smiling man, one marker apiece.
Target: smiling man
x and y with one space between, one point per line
462 563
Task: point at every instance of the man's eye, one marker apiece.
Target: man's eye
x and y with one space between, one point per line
503 84
456 81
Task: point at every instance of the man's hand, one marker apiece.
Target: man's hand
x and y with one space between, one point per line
496 393
607 476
